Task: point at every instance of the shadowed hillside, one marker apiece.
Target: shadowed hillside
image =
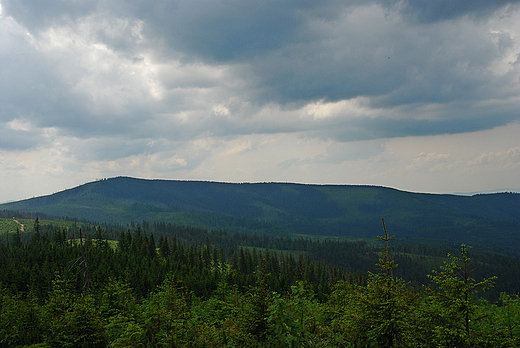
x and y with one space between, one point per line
285 208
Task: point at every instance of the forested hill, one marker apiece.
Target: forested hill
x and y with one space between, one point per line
288 209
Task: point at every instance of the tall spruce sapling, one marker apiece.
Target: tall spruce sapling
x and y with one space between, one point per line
36 238
451 299
378 314
388 264
17 239
389 299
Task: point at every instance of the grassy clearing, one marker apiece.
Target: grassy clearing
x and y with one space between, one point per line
295 253
320 238
111 243
10 225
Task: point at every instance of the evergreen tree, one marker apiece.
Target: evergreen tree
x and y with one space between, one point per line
72 321
164 247
36 238
17 239
379 313
451 302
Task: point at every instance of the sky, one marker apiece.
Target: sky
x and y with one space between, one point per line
418 95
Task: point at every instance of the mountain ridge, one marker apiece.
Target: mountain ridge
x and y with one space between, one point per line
289 208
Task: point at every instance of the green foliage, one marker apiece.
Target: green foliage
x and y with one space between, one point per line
166 312
298 320
9 225
20 322
198 293
497 324
255 311
117 298
451 310
380 313
71 320
286 209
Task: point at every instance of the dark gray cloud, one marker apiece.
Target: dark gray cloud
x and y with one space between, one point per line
144 69
39 14
433 11
453 118
209 30
19 139
234 29
395 64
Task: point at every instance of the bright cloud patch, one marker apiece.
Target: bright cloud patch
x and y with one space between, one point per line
504 159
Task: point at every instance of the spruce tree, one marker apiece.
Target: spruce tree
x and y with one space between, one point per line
380 313
451 301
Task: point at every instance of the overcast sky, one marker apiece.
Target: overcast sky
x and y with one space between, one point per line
419 95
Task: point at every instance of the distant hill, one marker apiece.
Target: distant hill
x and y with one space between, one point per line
288 209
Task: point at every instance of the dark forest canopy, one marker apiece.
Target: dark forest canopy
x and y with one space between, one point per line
415 260
288 209
164 285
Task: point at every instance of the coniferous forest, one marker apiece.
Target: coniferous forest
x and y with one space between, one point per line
160 285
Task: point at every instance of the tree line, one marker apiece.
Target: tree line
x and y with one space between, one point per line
78 288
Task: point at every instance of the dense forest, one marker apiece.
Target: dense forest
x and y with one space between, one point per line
163 285
288 209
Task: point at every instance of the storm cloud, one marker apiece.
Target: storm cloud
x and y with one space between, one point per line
174 81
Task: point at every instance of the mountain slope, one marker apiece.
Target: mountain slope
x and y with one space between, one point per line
285 208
